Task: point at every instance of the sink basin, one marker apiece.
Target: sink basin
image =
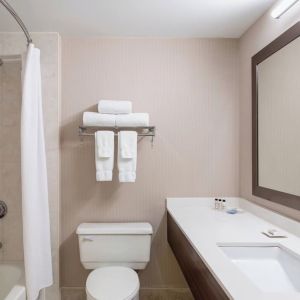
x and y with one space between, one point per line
272 269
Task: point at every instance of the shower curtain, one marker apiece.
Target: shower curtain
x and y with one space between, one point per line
35 207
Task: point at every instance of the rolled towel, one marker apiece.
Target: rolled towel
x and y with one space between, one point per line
114 107
91 119
104 155
132 120
127 156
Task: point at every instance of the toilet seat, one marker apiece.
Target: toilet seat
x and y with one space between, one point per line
112 283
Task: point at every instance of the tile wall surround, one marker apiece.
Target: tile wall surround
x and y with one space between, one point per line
10 168
10 106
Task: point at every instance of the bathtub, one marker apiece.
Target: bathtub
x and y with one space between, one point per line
12 285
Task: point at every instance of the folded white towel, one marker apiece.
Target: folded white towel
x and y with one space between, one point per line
114 107
91 119
104 155
105 143
132 120
127 156
128 144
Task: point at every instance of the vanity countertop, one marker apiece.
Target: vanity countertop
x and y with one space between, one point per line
206 228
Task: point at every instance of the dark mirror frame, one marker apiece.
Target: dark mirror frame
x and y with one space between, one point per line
286 199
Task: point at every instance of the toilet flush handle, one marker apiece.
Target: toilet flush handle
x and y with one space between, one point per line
88 239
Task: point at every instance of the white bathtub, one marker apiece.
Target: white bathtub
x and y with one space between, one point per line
12 285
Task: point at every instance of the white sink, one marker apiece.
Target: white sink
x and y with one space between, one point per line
272 269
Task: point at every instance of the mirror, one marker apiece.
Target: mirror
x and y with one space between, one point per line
276 120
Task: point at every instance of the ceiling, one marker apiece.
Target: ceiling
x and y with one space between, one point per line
159 18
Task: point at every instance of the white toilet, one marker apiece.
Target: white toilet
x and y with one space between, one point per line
114 251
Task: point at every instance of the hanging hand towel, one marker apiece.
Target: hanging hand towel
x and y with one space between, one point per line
114 107
91 119
132 120
104 155
127 156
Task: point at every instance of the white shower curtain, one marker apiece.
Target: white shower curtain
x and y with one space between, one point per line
35 207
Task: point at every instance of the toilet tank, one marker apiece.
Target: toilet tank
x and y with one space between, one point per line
114 244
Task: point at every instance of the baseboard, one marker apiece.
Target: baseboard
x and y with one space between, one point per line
165 294
74 293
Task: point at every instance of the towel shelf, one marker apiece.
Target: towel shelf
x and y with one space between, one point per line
142 131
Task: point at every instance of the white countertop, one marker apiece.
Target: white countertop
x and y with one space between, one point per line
206 227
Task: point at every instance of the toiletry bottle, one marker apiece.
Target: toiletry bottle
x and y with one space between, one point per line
223 203
220 204
216 203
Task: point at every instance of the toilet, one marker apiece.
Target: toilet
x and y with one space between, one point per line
114 251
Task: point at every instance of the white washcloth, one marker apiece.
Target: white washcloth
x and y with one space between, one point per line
114 107
132 120
104 155
91 119
127 156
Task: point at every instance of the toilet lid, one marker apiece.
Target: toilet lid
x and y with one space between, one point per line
112 283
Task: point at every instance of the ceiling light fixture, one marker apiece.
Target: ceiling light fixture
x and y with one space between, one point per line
282 8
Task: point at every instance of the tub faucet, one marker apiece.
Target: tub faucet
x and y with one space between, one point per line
3 209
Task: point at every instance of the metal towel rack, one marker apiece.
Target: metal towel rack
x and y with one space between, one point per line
142 131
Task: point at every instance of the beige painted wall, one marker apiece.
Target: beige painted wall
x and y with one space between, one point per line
259 35
12 44
190 89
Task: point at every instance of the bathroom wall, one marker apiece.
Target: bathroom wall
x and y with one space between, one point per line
10 168
190 89
265 30
10 106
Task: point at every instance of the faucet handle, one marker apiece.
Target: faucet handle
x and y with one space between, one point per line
3 209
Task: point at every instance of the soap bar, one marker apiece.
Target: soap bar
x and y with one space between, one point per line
274 233
232 211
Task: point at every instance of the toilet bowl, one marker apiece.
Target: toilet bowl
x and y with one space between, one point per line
114 251
113 283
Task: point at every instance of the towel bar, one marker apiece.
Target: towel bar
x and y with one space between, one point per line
142 131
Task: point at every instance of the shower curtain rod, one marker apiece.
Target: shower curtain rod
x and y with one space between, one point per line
18 19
